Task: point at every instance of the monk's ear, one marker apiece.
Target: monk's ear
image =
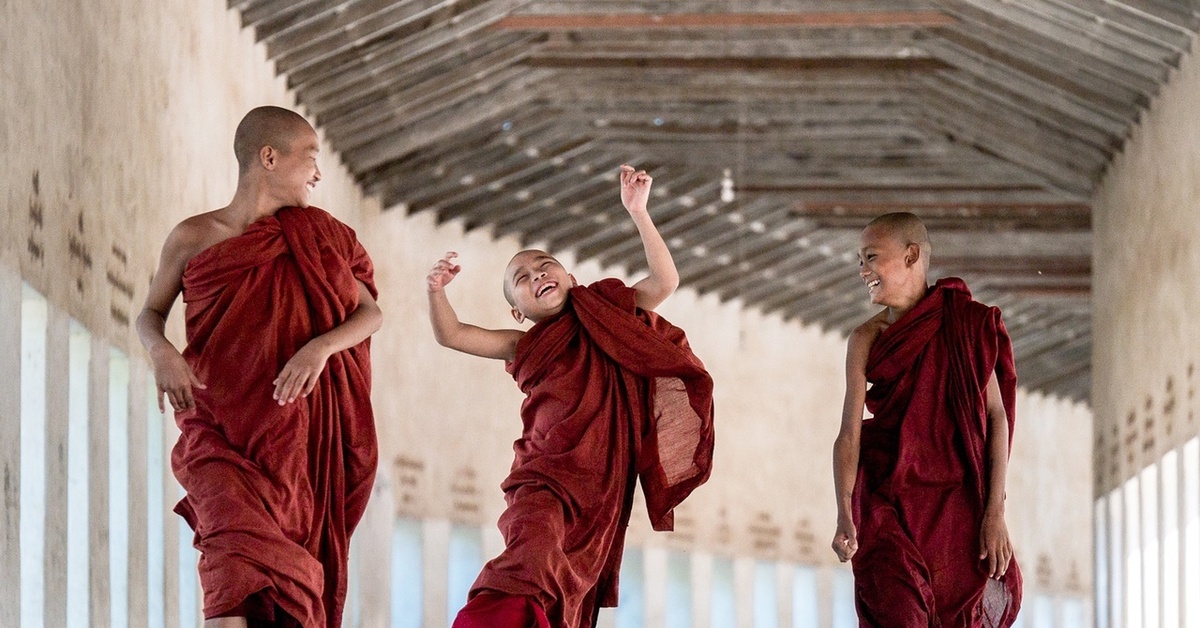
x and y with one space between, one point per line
518 316
573 282
912 255
268 157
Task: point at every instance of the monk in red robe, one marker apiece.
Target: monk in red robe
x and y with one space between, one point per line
920 485
613 394
272 394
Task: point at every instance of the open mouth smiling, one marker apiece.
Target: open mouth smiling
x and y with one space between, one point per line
546 287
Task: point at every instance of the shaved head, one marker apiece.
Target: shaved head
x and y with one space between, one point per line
517 259
266 126
907 228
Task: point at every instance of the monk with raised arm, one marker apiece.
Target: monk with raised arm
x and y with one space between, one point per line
277 448
613 395
920 484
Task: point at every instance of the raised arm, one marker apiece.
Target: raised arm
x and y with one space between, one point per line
663 279
302 371
500 344
172 375
846 446
995 547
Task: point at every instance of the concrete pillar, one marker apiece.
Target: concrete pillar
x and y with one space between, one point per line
743 590
171 521
100 599
57 376
435 538
10 438
655 586
702 579
138 492
372 543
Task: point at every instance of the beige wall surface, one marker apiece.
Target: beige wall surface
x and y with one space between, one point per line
1145 278
117 122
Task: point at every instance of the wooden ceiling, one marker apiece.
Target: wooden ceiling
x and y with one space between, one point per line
992 119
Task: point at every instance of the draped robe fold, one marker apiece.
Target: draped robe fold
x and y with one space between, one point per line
273 492
614 393
922 483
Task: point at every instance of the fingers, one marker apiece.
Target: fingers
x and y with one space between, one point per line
195 380
162 409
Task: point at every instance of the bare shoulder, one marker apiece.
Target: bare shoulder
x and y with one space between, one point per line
866 333
194 234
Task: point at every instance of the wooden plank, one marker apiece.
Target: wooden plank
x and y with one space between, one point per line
99 593
351 65
724 21
741 64
58 371
478 111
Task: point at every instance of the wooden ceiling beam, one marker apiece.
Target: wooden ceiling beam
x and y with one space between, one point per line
674 21
741 64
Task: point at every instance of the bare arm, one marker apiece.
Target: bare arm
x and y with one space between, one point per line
172 375
846 446
302 371
664 278
500 344
995 546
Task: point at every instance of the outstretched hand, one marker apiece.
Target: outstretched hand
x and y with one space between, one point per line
845 540
443 272
995 548
635 188
301 373
175 379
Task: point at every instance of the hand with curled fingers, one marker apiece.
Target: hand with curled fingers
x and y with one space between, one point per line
174 379
299 376
443 272
845 540
635 188
995 548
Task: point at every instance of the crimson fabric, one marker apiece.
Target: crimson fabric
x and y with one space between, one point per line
922 482
613 393
498 610
273 493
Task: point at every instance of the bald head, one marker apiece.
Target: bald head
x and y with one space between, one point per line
266 126
907 228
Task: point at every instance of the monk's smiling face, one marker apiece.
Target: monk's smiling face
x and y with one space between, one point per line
890 266
536 286
296 173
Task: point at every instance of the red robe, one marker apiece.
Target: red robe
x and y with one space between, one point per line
922 482
274 492
614 394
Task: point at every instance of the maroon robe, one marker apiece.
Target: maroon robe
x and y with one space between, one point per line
922 482
614 393
273 492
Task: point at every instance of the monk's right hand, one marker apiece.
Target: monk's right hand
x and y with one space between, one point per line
845 540
444 271
174 379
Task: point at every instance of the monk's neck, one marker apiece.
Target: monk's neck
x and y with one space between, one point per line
250 204
907 303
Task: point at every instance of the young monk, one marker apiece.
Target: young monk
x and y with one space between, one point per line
920 485
272 394
613 393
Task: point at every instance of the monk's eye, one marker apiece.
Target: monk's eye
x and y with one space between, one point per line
520 279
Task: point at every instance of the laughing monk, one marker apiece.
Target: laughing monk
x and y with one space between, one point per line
920 485
613 394
272 394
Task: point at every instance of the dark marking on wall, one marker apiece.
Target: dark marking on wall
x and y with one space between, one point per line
1148 435
37 251
724 533
464 494
1044 571
1131 436
407 473
119 316
764 533
79 250
1168 409
806 541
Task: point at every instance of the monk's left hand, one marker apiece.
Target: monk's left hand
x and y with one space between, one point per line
299 376
995 549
